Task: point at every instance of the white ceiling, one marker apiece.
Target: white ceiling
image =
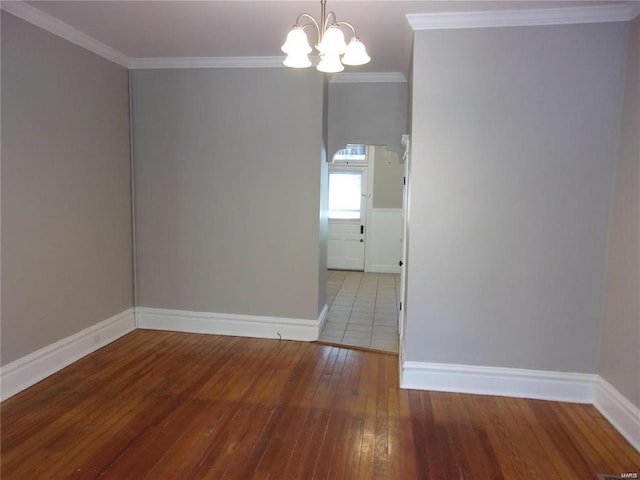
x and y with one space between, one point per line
244 28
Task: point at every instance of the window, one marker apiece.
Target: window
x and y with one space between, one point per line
353 152
345 195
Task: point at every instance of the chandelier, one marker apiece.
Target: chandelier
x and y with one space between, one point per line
332 48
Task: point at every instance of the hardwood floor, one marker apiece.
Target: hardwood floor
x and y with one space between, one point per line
161 405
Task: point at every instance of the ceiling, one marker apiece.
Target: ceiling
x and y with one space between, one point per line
250 28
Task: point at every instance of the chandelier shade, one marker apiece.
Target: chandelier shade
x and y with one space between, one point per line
356 54
297 42
330 64
332 48
297 60
332 42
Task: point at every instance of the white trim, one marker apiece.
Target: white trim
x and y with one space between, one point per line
401 356
390 210
52 25
368 77
206 62
371 164
322 318
57 27
406 144
30 369
516 18
508 382
618 411
230 324
384 269
418 21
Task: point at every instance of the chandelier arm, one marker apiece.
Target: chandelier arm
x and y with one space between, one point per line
326 21
348 25
308 16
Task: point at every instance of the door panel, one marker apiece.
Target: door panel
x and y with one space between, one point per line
345 247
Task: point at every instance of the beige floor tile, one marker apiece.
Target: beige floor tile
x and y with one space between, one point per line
356 342
385 321
355 320
362 340
365 300
385 337
335 329
332 319
387 346
339 309
362 310
331 338
385 329
358 327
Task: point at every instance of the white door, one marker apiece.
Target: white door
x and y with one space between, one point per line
347 214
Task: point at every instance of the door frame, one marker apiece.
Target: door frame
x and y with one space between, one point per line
368 167
370 154
402 314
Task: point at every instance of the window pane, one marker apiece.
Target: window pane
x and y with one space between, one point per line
351 152
345 189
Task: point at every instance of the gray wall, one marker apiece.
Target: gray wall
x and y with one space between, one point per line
387 179
620 341
513 135
372 114
227 190
66 202
368 113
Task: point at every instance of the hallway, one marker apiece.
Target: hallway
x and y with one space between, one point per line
363 310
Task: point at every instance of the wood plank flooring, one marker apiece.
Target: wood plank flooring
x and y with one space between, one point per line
162 405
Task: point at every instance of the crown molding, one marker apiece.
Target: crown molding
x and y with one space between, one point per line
428 21
619 12
368 77
52 25
205 62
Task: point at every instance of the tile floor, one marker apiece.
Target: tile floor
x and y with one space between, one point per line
363 310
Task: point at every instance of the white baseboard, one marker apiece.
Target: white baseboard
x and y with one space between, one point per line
545 385
384 269
30 369
401 356
322 318
619 411
538 384
230 324
508 382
